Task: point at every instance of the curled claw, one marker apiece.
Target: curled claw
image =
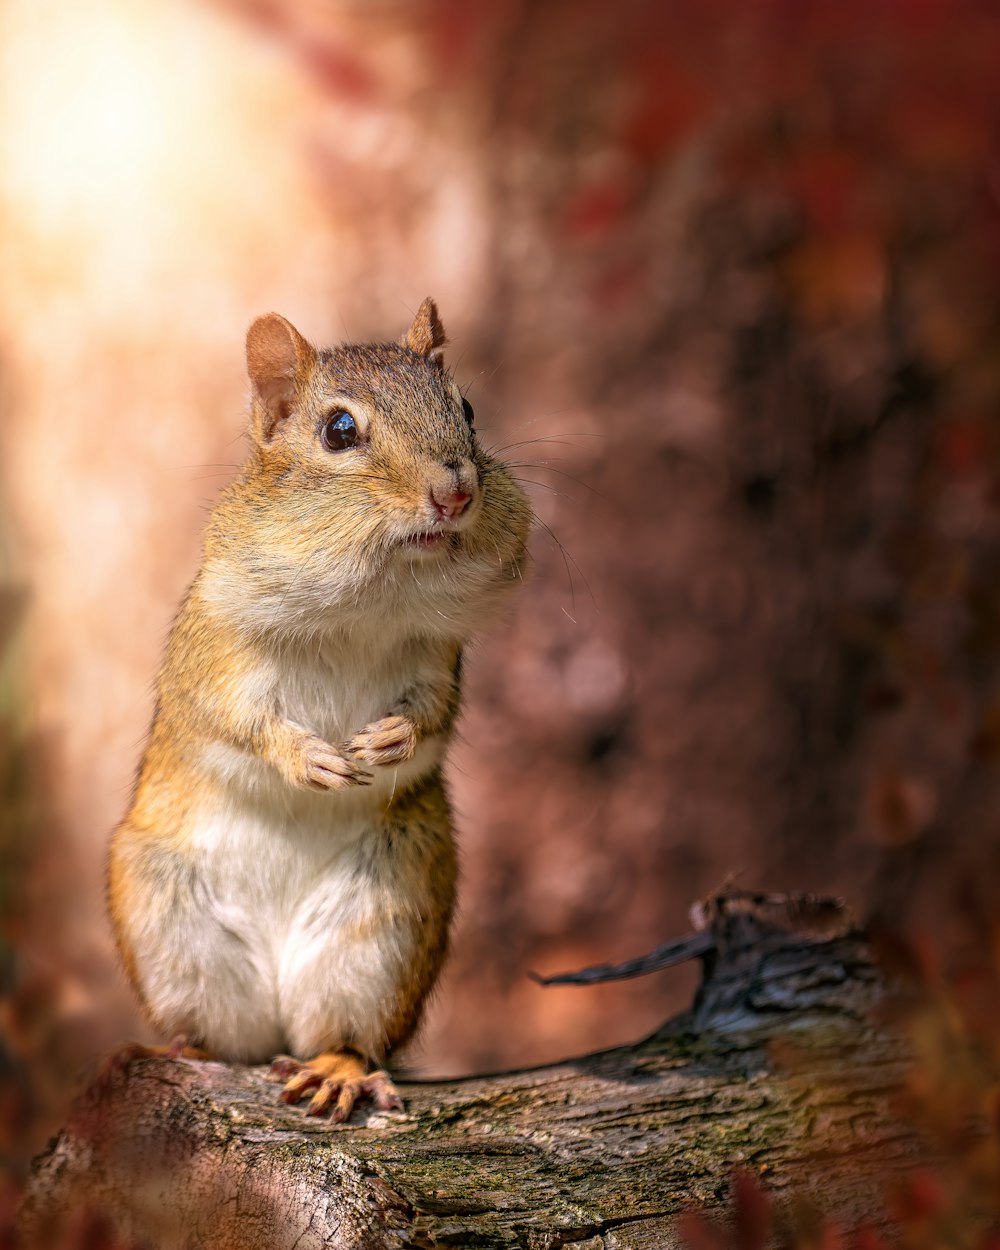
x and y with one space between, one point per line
338 1080
390 740
303 1080
284 1066
381 1090
324 779
343 1094
326 768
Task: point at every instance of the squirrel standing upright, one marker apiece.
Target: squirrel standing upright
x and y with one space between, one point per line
285 876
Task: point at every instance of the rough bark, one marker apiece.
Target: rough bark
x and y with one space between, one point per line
603 1151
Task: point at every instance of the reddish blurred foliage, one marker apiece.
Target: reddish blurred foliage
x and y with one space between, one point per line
83 1230
15 1106
951 1097
597 208
752 1219
668 102
952 1016
336 67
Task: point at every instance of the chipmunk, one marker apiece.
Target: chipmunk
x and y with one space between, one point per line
284 879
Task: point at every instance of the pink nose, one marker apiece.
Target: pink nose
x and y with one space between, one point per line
449 503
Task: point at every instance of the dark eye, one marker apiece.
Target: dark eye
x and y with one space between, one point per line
469 411
340 432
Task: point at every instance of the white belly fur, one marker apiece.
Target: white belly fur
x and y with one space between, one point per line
280 926
296 941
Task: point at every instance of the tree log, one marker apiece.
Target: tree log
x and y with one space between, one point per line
598 1152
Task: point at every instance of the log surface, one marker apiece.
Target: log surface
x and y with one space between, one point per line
602 1152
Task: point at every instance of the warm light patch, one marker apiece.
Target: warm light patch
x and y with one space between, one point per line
141 141
91 117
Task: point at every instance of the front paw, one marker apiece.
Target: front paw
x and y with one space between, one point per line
321 766
391 740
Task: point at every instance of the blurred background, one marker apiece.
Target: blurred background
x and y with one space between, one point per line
723 281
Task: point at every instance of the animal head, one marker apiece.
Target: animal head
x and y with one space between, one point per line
367 481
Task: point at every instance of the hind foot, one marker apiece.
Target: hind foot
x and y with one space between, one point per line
339 1077
122 1056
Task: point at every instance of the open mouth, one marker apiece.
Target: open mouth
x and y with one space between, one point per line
427 540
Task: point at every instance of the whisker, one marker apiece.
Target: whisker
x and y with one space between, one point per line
494 371
545 467
545 416
528 481
567 560
560 439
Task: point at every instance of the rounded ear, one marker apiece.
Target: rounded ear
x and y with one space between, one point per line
279 360
426 335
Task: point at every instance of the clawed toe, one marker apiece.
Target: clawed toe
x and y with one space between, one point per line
381 1090
283 1066
329 1090
299 1083
335 1084
389 741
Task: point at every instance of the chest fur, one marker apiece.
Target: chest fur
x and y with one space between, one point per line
336 688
